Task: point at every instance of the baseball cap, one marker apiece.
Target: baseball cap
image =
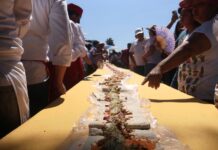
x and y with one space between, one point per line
139 31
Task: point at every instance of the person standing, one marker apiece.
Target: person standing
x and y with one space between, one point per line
125 56
75 72
14 103
202 47
152 54
137 51
92 68
184 69
48 39
189 24
97 55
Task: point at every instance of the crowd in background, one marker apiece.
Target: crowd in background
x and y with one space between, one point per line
43 53
192 65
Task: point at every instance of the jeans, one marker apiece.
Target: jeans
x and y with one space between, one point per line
139 70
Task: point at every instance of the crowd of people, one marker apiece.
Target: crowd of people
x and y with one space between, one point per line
191 66
196 55
43 53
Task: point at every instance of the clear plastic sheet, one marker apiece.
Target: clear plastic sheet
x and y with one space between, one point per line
168 140
165 138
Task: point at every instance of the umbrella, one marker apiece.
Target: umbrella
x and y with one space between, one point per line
166 38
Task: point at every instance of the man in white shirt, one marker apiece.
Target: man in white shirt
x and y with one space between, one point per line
137 51
75 72
14 103
50 32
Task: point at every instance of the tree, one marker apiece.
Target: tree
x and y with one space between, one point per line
110 42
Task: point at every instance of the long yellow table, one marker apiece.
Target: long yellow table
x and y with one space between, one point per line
194 123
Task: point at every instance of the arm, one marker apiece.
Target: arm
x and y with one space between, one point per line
87 60
197 44
173 20
22 12
58 87
75 48
82 46
131 52
60 43
60 37
149 52
133 59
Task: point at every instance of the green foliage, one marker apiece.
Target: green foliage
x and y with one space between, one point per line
110 41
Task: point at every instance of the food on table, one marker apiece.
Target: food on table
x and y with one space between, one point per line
122 126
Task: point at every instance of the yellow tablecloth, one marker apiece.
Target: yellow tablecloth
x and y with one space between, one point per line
194 123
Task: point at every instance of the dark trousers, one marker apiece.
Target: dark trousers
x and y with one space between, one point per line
74 74
149 67
89 69
9 110
139 70
38 95
168 76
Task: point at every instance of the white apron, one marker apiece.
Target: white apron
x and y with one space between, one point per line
15 74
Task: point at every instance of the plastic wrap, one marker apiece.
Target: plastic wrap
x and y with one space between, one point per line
164 138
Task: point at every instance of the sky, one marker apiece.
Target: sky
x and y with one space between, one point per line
118 19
